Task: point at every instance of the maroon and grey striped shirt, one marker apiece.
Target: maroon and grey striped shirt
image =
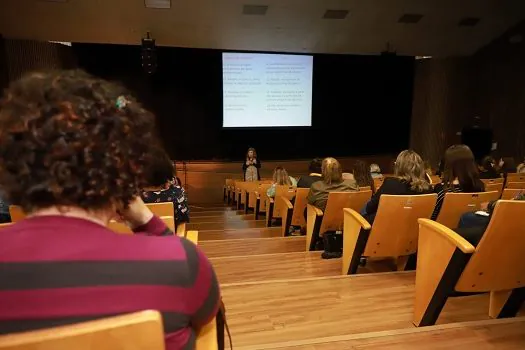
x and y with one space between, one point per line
57 270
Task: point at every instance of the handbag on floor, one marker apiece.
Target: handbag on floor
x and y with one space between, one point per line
333 245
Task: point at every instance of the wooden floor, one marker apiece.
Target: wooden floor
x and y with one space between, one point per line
308 309
505 334
254 246
278 296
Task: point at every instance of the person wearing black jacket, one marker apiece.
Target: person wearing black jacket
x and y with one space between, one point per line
409 179
314 176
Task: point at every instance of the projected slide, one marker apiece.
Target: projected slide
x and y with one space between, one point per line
265 90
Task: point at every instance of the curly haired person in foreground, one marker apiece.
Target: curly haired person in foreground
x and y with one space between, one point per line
73 153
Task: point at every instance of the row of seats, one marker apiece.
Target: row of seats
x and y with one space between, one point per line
402 228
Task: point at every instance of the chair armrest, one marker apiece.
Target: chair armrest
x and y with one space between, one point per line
286 202
272 200
441 232
438 247
257 194
312 215
354 241
193 236
181 229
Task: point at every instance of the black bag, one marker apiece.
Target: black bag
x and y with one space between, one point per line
333 245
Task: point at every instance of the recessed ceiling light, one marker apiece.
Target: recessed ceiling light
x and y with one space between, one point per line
157 4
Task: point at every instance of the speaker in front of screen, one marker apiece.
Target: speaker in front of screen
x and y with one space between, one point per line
479 140
149 54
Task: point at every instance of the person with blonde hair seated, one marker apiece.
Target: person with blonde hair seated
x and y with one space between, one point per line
409 179
280 178
332 181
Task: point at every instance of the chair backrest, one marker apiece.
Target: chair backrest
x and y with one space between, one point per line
491 187
122 228
365 188
498 264
395 228
16 213
511 193
281 191
457 204
139 331
515 177
499 180
251 187
333 218
162 209
299 207
262 189
516 185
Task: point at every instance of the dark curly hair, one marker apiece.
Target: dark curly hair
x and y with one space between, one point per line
70 139
161 168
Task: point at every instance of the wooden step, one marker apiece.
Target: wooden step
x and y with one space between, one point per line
503 334
220 218
196 214
254 246
222 225
274 266
298 265
212 207
265 232
290 310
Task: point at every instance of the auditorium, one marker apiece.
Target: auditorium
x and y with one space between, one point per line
262 174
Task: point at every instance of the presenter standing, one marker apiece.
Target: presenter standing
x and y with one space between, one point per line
251 166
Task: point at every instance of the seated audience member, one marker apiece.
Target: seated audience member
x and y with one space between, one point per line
5 217
472 226
521 167
362 175
315 174
409 179
74 153
163 186
375 171
507 165
459 175
332 182
487 169
280 178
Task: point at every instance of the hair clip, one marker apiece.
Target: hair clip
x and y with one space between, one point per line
122 102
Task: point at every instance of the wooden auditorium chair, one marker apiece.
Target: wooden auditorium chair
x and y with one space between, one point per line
249 198
121 227
457 204
394 232
515 177
378 182
260 199
17 213
319 222
239 190
365 188
497 186
449 266
516 185
139 331
227 190
293 214
493 181
511 193
274 205
5 225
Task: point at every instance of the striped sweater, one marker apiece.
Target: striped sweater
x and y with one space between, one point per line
57 270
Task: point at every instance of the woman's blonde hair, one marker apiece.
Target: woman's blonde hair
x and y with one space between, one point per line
410 167
332 171
280 177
